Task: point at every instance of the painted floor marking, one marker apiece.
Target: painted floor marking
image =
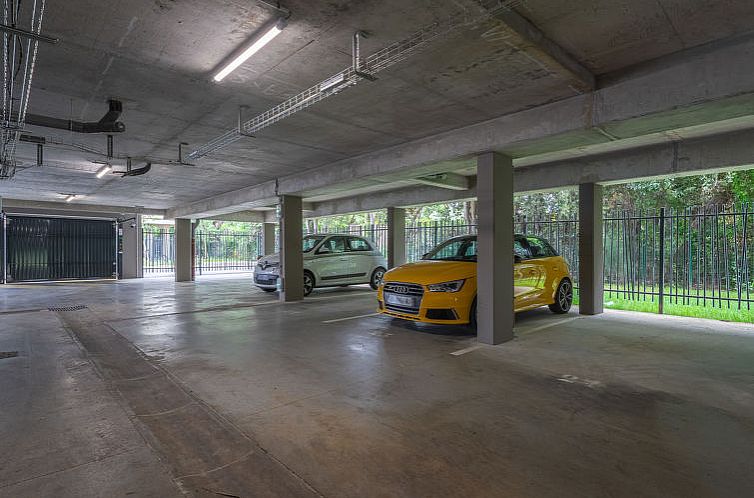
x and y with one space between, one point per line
466 350
550 324
350 318
572 379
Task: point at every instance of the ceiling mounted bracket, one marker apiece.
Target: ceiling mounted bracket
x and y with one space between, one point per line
241 130
180 154
358 69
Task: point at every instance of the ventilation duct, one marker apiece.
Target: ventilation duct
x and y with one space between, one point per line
108 124
134 172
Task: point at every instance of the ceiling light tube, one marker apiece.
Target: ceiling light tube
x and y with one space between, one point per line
70 197
104 170
255 44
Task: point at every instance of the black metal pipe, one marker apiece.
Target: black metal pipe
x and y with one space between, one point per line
138 171
28 34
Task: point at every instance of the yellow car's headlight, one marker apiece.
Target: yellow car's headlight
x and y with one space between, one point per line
453 286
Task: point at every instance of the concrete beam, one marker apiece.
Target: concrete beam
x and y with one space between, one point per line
242 216
403 197
451 181
262 195
53 208
527 37
730 151
724 152
648 99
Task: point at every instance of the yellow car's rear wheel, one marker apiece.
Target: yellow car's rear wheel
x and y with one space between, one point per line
563 297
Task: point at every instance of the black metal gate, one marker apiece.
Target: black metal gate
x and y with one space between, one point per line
39 248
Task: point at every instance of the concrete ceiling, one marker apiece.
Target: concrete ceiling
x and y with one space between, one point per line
157 56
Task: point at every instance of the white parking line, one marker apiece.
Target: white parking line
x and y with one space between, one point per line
548 325
350 318
466 350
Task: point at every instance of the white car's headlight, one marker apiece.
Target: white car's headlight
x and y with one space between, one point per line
453 286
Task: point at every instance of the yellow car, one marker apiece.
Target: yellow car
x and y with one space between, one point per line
441 288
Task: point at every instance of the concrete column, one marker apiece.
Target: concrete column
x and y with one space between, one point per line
268 236
495 248
184 254
291 254
396 237
133 249
591 283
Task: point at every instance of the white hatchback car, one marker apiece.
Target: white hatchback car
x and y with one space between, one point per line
329 260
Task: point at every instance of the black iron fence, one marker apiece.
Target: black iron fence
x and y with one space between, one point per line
694 256
213 252
698 256
420 239
375 233
159 251
221 252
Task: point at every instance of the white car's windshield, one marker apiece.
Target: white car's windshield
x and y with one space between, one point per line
311 241
454 250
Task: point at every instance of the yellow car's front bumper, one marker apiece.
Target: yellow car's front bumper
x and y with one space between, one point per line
441 308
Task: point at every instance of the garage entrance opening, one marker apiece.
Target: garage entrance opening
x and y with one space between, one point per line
39 249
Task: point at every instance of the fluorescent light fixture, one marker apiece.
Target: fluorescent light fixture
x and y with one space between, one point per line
104 170
269 32
331 82
70 197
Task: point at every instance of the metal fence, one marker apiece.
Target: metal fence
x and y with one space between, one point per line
563 235
375 233
420 239
213 252
694 256
222 252
158 252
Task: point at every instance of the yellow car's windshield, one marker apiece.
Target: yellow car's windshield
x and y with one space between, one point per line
461 249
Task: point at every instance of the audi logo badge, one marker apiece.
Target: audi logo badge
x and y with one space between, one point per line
400 289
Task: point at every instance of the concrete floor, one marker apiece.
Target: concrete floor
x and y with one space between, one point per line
215 389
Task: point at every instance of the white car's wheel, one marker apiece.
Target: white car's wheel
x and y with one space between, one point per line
308 283
377 276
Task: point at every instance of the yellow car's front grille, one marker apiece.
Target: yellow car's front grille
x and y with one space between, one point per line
403 297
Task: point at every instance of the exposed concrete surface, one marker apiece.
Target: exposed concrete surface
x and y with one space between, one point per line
63 433
622 404
638 104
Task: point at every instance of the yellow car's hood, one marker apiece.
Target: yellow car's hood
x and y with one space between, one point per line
432 272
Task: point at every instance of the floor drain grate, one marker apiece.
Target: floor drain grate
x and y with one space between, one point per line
8 354
77 307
